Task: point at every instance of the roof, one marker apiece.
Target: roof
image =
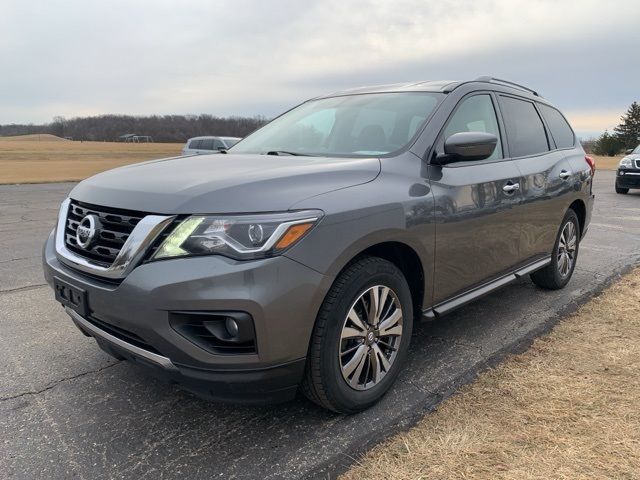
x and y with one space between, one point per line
206 137
443 86
421 86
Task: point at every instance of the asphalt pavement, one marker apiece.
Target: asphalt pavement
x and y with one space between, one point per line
67 410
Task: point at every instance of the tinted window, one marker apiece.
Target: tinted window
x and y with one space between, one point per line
207 144
217 144
525 129
348 125
560 129
475 114
194 144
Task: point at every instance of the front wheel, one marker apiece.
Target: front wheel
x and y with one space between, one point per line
361 337
563 259
623 191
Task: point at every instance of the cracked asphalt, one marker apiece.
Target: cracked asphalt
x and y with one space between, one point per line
67 410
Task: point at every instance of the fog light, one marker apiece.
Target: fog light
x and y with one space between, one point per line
231 326
217 332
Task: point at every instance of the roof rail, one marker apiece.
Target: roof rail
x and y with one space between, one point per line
507 83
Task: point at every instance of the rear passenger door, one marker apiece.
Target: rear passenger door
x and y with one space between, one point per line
476 206
206 146
545 174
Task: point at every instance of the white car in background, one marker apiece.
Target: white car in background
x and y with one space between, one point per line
200 145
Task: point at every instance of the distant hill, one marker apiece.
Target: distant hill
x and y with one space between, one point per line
35 137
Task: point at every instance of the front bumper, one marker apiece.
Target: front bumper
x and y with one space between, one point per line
628 178
281 295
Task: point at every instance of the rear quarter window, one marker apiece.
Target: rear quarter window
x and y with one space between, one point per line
525 131
195 144
560 129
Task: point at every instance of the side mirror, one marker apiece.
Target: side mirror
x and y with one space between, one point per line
465 146
630 150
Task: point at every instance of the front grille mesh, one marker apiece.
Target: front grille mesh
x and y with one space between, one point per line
117 225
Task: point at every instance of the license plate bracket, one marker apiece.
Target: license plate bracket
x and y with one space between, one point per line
70 296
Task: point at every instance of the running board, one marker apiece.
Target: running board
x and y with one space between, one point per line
464 298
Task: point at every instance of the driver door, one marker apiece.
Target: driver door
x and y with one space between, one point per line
477 229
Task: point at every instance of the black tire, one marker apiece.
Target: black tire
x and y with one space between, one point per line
623 191
551 277
323 381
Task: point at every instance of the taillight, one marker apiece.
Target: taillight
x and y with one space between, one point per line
592 164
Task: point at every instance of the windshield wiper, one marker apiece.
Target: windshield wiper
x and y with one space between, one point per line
284 152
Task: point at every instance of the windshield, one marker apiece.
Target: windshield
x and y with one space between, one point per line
636 150
354 125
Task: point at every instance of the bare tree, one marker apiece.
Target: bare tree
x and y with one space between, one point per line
164 128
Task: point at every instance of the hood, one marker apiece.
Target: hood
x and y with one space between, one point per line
232 183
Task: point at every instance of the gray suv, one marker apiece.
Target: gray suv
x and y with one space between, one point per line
302 257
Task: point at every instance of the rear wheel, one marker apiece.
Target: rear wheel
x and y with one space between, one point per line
563 259
361 337
623 191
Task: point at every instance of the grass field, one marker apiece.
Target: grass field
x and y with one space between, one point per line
567 408
606 163
45 158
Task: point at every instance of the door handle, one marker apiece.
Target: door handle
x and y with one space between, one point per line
511 187
564 174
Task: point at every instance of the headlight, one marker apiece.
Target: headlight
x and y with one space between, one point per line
240 236
625 163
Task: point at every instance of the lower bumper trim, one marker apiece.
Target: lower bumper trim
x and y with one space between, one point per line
273 384
159 360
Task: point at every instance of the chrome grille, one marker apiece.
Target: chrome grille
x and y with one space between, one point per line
117 225
163 236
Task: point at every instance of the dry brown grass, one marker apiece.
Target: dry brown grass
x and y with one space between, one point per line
606 163
47 158
56 160
567 408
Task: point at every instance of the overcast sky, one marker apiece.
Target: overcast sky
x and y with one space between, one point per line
242 57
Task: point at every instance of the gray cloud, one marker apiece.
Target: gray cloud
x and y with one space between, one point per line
246 57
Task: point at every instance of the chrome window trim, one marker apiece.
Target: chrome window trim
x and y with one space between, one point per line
132 252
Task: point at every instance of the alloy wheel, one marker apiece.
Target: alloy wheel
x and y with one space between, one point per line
370 337
567 248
